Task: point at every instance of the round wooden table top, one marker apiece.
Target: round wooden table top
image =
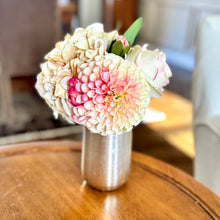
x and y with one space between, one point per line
42 180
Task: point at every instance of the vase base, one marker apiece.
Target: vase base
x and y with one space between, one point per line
104 189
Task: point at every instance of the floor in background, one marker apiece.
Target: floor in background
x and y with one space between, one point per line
32 114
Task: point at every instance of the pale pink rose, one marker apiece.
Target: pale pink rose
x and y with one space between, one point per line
153 63
123 40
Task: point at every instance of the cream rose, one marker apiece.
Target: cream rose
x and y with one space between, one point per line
153 63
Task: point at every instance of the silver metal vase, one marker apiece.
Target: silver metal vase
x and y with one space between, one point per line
105 161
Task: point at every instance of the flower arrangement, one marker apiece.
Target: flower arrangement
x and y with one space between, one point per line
100 80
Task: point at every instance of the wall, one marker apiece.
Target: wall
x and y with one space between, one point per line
171 25
90 11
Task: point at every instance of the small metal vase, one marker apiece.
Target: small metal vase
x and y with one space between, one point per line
105 161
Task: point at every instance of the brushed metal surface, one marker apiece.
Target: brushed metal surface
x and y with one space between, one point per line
105 163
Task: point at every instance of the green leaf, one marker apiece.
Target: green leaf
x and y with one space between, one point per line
133 30
117 48
110 46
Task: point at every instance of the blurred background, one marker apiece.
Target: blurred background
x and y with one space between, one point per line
29 29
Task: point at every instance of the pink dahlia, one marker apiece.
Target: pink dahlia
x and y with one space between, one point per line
109 95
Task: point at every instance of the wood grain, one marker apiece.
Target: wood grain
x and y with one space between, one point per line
44 182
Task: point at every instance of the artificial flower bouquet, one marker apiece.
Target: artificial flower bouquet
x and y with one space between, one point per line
100 80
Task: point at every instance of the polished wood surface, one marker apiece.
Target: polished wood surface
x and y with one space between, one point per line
42 180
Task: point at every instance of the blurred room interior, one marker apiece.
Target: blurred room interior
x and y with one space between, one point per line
30 29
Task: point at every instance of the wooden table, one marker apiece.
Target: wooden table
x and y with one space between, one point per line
42 180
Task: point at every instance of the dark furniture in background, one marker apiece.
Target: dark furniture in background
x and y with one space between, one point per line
122 12
29 30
